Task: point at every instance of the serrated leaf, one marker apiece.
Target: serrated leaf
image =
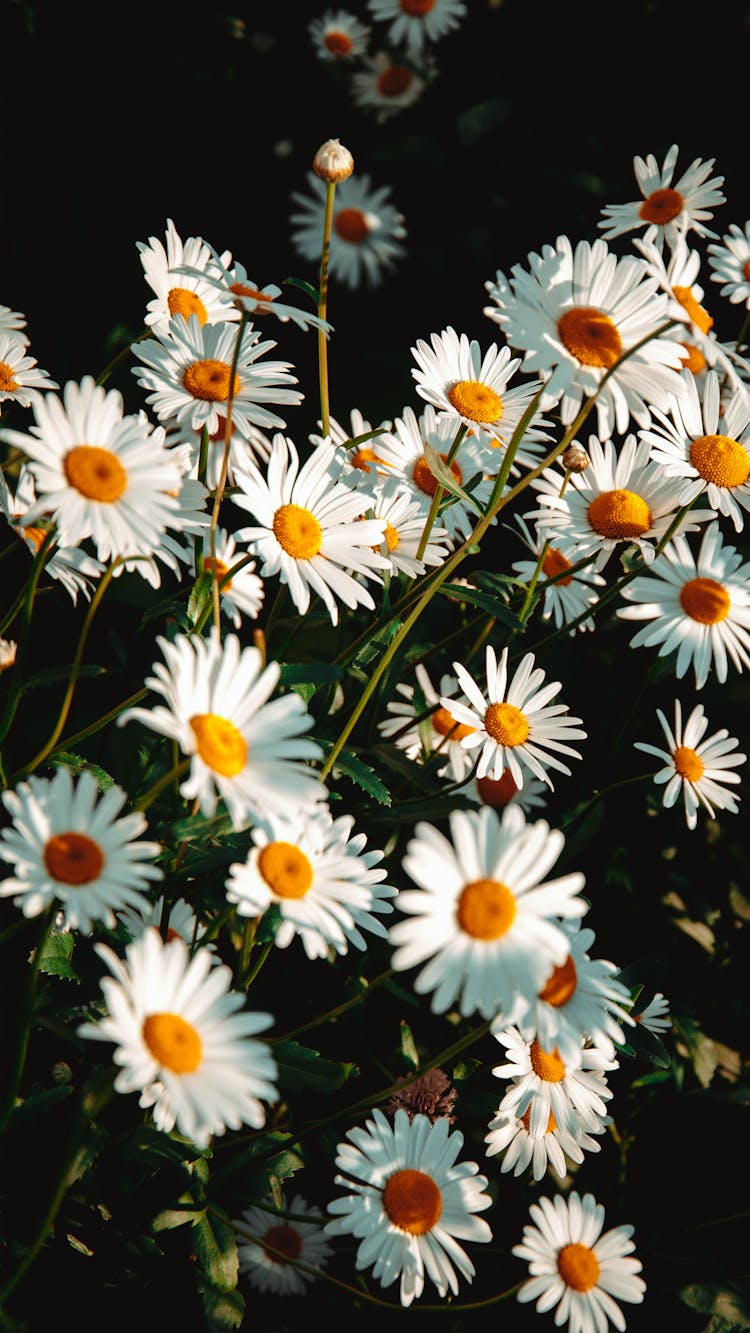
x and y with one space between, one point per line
215 1247
459 592
77 764
360 773
169 1218
223 1309
56 954
302 1069
446 479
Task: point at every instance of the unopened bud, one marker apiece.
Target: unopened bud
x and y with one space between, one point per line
575 458
333 162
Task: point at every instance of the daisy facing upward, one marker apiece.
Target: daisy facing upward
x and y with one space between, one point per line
695 768
667 210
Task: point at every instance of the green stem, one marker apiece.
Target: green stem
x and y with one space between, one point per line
440 492
257 965
23 1042
323 309
149 796
104 375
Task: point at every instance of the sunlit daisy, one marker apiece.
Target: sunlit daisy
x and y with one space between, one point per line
482 913
181 1041
310 528
409 1202
325 885
338 35
268 1261
695 768
179 272
232 280
730 264
417 23
188 370
423 737
243 746
366 234
404 519
574 315
180 922
21 379
242 594
700 606
360 455
190 519
385 86
668 210
574 1092
576 1268
654 1016
706 449
516 725
73 567
565 596
551 1150
67 845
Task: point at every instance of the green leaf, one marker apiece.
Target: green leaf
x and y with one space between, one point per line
223 1309
459 592
447 480
77 764
196 827
302 1069
169 1218
724 1299
201 594
56 954
38 1102
55 674
268 924
303 287
408 1047
307 677
360 773
215 1247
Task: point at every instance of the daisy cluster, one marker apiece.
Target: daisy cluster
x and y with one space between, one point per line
293 563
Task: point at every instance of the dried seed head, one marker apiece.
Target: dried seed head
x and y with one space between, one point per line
432 1095
333 162
575 458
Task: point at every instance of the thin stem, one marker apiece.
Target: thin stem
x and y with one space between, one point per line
257 965
325 254
149 796
103 721
104 375
334 1013
603 791
23 1041
440 492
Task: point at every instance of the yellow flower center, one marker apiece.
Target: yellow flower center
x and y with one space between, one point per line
476 401
7 382
425 478
95 473
590 336
220 745
526 1120
391 536
693 360
351 225
338 43
412 1201
705 600
554 563
446 725
298 531
693 309
217 566
73 858
720 459
173 1043
394 81
209 380
687 763
547 1065
185 303
286 870
285 1240
578 1267
661 207
506 724
363 457
497 791
417 8
560 985
486 909
619 514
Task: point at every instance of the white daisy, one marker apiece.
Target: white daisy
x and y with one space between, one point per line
13 321
187 444
623 499
360 455
404 519
180 1040
707 449
67 845
21 379
667 210
515 724
366 234
694 767
188 370
570 595
574 315
98 472
386 85
414 23
409 1201
574 1092
181 922
700 605
310 527
181 292
241 595
502 791
338 35
509 1134
73 567
573 1266
481 913
326 886
730 264
232 280
655 1015
280 1241
422 737
189 520
244 749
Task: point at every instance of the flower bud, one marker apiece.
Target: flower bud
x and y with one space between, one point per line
333 162
575 458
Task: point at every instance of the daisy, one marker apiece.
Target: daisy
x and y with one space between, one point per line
269 1260
189 520
180 274
570 595
655 1016
573 1266
515 724
694 767
70 565
730 264
417 23
250 753
187 445
98 472
188 371
231 279
509 1134
66 845
700 605
310 528
502 791
366 234
386 86
574 316
241 595
404 519
574 1092
706 449
423 737
21 379
180 1040
481 913
338 36
623 499
181 922
359 455
325 885
667 210
409 1202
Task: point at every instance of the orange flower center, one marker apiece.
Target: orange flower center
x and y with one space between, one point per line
425 478
7 382
394 81
220 745
298 531
746 270
506 724
445 725
693 360
705 600
242 289
286 870
417 8
486 909
217 566
412 1201
209 380
173 1043
720 459
476 401
554 563
73 858
560 985
182 302
338 43
661 207
619 514
351 225
95 473
578 1267
687 763
285 1240
590 336
526 1120
363 457
547 1065
693 309
497 791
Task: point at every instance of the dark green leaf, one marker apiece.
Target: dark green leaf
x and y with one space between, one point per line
215 1248
55 674
447 480
408 1047
223 1309
76 763
303 287
459 592
201 594
56 954
302 1069
359 772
